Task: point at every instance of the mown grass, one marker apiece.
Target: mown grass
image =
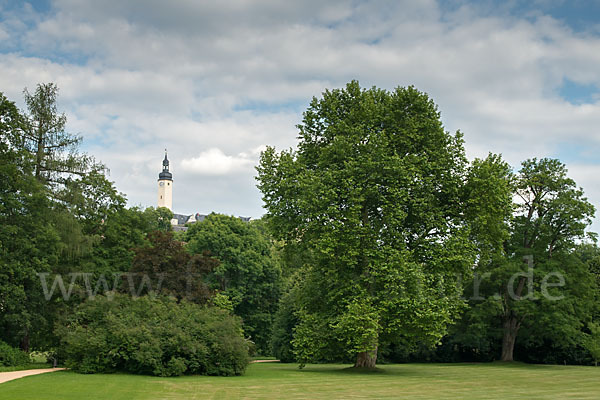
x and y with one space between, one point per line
286 381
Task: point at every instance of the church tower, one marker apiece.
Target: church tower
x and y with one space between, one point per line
165 186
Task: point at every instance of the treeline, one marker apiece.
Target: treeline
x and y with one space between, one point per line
99 286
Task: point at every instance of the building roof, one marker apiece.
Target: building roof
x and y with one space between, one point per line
183 219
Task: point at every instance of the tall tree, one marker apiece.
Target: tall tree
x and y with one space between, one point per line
533 287
28 241
375 192
551 215
55 151
55 202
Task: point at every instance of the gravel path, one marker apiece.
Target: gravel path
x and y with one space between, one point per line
9 376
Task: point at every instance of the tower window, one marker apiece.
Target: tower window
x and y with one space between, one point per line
161 197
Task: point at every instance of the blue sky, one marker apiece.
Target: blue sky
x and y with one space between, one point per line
214 82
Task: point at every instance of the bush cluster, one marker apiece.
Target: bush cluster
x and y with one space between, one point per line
152 336
11 357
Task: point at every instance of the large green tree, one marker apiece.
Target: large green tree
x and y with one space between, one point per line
29 243
375 192
530 284
54 206
552 215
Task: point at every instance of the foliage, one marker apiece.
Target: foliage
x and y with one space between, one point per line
10 356
554 212
489 205
153 336
159 219
592 342
166 264
589 253
121 232
248 273
12 123
374 192
222 301
92 199
284 323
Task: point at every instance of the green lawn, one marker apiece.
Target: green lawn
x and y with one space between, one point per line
285 381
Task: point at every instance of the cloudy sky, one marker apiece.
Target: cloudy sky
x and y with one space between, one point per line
216 81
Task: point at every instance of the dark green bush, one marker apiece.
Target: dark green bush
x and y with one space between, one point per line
11 357
152 336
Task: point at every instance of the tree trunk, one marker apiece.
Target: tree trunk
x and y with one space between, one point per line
25 343
366 359
39 154
510 327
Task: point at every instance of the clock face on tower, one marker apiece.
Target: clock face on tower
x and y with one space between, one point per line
162 184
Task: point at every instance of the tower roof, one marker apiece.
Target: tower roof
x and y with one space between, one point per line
165 174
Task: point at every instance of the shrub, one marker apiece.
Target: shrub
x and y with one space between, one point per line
11 357
152 336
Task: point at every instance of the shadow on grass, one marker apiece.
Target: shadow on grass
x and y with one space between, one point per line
345 371
409 369
364 370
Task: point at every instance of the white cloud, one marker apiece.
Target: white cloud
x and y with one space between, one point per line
215 162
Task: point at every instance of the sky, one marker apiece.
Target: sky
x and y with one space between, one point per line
215 82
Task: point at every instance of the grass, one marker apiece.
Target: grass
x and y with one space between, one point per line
274 380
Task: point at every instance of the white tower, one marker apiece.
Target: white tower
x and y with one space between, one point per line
165 186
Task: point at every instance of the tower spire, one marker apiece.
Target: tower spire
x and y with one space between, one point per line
166 163
165 174
165 185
